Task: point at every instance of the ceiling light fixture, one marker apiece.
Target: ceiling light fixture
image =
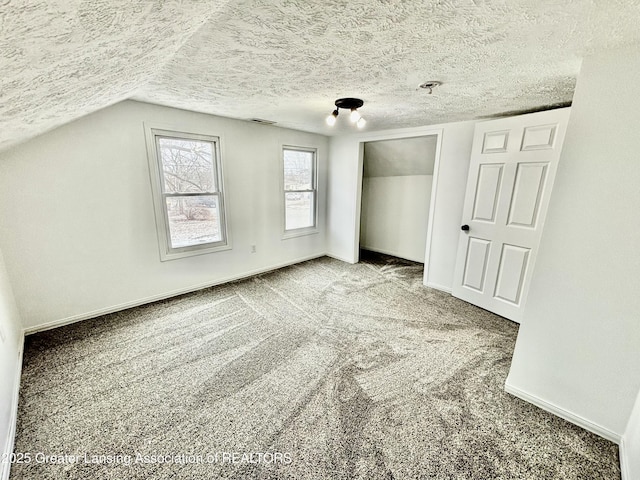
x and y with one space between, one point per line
430 85
352 104
331 119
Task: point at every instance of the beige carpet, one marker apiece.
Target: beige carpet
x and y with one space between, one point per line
322 370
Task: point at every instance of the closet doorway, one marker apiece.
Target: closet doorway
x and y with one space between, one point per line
397 182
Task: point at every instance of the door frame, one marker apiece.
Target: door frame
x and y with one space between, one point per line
377 136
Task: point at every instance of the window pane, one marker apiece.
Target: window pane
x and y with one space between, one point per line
193 220
299 210
187 165
298 170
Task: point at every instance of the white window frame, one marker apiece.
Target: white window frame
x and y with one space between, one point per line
297 232
167 252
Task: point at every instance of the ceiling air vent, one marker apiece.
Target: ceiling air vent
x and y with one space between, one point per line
261 121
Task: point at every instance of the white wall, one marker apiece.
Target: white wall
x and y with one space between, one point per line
343 192
344 188
78 228
451 183
578 348
394 215
630 448
10 356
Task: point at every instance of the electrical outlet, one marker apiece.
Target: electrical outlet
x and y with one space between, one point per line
253 249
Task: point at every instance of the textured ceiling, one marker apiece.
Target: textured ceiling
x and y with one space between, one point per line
61 59
288 60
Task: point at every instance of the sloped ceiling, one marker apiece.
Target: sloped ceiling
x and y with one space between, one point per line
288 60
61 59
400 157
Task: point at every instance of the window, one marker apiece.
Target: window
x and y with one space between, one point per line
188 195
300 190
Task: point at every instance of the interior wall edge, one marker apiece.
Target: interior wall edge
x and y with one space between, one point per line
433 197
625 460
162 296
13 421
630 445
563 413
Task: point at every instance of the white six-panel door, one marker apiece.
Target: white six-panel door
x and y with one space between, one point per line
513 165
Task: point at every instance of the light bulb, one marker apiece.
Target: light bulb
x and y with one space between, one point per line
361 123
355 116
331 119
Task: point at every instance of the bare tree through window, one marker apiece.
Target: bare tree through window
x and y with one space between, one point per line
190 191
299 188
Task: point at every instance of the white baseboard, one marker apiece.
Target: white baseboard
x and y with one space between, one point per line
565 414
442 288
154 298
13 416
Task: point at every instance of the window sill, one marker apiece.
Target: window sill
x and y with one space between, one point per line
301 232
165 257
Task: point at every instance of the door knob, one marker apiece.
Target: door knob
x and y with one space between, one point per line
464 228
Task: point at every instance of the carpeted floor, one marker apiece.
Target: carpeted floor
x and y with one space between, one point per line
322 370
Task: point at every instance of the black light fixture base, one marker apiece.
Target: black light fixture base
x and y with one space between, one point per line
349 103
430 85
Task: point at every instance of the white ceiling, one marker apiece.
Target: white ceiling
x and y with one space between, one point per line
288 60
